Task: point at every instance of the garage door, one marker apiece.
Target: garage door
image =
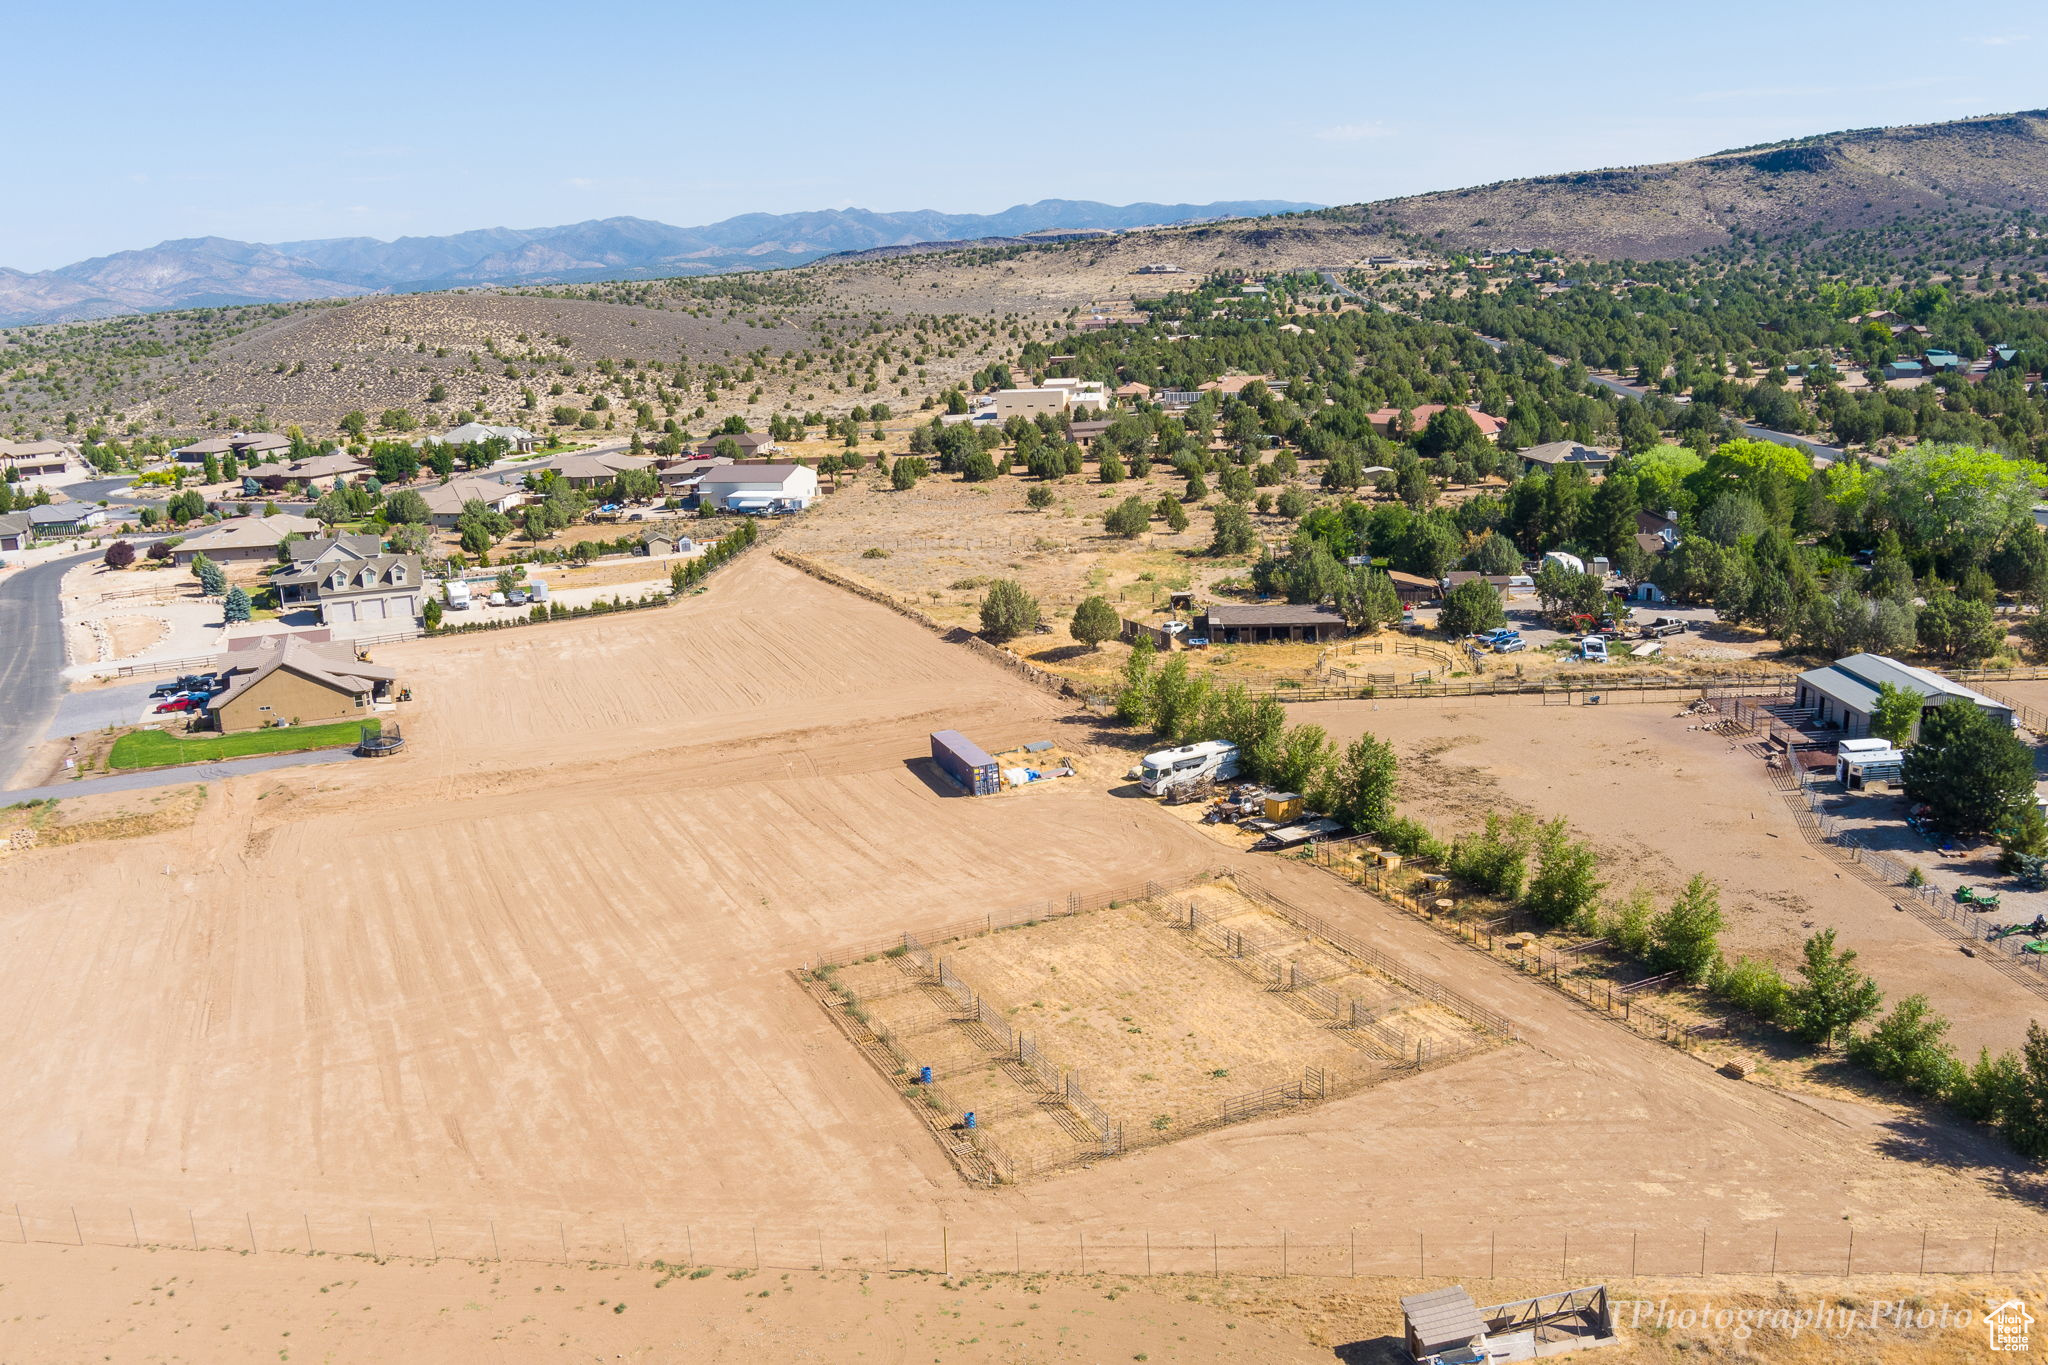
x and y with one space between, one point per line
339 613
372 609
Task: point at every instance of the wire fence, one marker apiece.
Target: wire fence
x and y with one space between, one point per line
1388 1048
738 1245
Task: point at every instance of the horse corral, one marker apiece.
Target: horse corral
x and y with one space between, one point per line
1092 1028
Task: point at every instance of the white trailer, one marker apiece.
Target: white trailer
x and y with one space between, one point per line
1211 760
458 594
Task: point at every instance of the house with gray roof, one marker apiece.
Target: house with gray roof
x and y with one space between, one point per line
1554 455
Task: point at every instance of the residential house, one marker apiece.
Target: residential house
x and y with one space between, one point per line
758 487
1133 392
1082 394
1264 622
1234 384
351 580
1937 361
665 542
1085 432
65 518
583 470
1504 584
2003 357
518 440
446 501
36 459
681 478
1412 589
1662 530
1904 368
197 452
1844 694
295 680
1385 419
1554 455
259 445
323 469
1009 403
243 540
17 531
750 444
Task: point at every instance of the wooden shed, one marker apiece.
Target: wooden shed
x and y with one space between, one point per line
1441 1322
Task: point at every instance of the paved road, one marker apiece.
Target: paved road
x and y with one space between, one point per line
31 656
173 777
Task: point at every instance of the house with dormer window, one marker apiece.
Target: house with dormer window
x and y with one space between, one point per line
351 579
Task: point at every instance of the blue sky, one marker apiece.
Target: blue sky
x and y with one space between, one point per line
275 122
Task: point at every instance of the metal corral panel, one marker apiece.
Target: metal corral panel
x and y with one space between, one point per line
965 762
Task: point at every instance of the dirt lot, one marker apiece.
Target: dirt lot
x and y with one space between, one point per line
529 981
64 1304
1663 798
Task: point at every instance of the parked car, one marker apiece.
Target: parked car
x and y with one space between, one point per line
1511 645
1662 626
165 689
177 703
517 597
497 599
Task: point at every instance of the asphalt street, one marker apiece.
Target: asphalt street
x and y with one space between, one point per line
31 656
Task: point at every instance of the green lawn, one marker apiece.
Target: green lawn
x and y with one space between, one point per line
156 749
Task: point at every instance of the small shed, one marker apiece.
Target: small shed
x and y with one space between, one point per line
1412 588
1441 1322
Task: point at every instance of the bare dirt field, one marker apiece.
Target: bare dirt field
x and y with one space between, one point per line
66 1305
1663 799
529 981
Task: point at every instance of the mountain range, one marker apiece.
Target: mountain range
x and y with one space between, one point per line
200 272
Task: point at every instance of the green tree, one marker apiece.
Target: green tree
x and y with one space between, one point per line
1496 555
1039 496
1095 621
235 607
1908 1046
1896 713
1007 611
1973 773
479 526
1176 515
1565 887
1134 696
355 424
1368 599
1686 938
1956 501
213 581
406 506
1130 518
1471 607
1233 532
1832 996
430 613
1955 627
1360 786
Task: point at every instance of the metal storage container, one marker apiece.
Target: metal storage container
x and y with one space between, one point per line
961 759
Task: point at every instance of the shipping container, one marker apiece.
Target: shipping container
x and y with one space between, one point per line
961 759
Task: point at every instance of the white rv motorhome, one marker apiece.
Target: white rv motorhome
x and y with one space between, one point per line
1214 759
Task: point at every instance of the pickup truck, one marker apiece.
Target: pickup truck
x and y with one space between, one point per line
1662 626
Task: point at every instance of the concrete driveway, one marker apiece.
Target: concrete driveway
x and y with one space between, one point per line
81 713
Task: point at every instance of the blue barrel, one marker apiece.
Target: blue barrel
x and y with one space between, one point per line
924 1075
970 1118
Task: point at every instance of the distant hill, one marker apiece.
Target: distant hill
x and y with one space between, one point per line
1834 182
210 271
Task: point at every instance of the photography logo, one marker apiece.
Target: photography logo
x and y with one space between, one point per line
2007 1323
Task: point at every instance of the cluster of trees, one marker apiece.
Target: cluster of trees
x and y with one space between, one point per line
1731 335
1354 784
